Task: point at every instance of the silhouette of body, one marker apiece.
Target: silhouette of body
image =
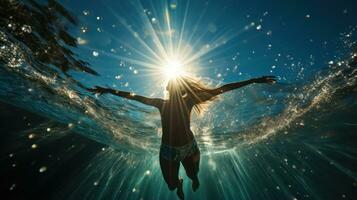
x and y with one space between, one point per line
178 142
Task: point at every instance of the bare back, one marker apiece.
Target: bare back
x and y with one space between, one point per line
175 120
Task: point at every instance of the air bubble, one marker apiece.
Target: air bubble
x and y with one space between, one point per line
85 12
42 169
173 4
95 53
154 20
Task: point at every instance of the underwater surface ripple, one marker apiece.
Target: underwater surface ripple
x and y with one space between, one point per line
125 125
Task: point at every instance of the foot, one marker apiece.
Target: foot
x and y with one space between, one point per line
195 184
179 192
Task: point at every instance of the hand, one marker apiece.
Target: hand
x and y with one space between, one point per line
98 90
265 79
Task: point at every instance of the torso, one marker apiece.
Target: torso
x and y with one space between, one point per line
175 120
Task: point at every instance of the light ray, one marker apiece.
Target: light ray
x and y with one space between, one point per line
171 54
142 42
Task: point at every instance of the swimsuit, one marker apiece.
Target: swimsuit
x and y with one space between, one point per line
178 153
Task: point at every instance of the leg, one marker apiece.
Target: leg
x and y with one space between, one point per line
170 171
191 165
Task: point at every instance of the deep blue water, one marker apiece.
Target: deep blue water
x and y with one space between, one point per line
295 139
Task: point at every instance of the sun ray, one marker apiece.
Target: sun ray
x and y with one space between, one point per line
159 45
169 52
134 34
182 28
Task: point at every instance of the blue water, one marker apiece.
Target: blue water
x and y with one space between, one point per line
295 139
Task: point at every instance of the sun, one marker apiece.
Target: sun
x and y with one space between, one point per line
173 68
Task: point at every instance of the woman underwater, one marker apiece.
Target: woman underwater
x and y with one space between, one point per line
178 144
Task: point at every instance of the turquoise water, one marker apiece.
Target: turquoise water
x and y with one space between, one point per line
292 140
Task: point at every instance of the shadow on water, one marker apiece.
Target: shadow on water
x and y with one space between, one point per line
43 28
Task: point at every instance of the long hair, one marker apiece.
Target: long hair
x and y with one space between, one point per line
195 90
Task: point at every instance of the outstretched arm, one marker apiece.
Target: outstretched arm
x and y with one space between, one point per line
201 97
236 85
145 100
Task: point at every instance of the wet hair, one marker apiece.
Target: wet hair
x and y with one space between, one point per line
194 90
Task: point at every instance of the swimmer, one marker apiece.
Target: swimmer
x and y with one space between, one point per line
178 144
